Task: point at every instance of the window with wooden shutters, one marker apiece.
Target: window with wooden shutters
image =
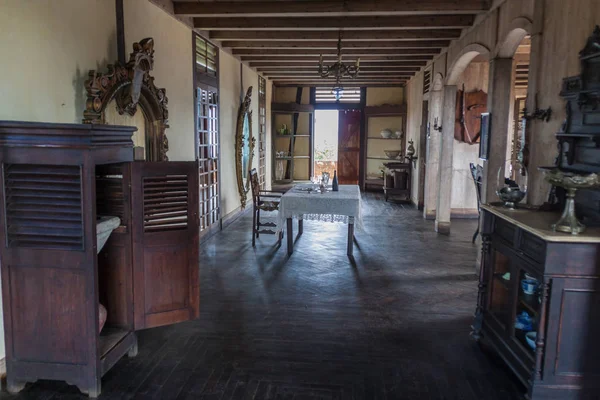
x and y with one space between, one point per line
206 78
426 81
206 56
262 131
43 206
207 137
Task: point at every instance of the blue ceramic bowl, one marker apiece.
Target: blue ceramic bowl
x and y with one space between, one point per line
531 338
529 286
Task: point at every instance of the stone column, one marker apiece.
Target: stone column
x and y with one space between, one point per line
499 105
444 200
433 156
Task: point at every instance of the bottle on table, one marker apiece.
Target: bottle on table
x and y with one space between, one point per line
334 184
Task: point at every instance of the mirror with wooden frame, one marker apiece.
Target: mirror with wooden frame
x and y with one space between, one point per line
113 98
244 147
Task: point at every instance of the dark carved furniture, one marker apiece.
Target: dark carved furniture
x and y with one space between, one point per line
57 180
397 180
564 308
263 200
579 139
520 244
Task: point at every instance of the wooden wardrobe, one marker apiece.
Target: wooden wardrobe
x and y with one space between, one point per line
57 179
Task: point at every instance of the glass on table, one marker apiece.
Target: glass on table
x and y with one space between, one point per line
316 181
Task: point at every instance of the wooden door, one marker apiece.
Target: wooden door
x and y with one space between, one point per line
349 147
164 198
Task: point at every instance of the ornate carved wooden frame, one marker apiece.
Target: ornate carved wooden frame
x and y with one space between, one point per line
239 145
130 85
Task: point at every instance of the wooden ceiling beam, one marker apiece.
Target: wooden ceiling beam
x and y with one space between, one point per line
382 82
327 23
328 7
365 68
311 62
314 84
368 35
329 45
332 53
361 75
347 82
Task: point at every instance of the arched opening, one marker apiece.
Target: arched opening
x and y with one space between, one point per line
509 86
433 146
464 100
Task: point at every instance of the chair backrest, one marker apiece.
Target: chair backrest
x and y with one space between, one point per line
255 185
477 173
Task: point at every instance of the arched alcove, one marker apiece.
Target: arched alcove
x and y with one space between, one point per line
517 30
509 89
447 187
463 59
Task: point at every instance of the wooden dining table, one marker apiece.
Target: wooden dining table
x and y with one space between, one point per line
303 202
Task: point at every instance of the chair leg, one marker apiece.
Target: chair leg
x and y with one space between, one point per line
257 222
254 227
475 235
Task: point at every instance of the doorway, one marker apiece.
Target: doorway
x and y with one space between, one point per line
337 144
326 142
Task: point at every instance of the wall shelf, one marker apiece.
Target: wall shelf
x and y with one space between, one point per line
387 116
297 117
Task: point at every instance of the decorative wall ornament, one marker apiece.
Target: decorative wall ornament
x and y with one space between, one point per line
469 107
437 127
244 147
131 85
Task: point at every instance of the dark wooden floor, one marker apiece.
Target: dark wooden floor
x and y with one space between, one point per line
391 324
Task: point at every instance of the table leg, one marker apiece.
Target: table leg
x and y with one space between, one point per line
300 226
290 237
350 236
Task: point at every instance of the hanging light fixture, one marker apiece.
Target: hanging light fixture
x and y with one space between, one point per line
338 70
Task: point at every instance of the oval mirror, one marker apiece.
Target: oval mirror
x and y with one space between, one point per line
244 147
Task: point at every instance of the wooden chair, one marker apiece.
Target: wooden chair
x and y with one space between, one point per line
477 173
260 204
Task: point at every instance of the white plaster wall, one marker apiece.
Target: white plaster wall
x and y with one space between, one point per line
229 101
172 69
47 50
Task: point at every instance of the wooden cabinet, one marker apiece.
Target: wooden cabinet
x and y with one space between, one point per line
57 179
563 305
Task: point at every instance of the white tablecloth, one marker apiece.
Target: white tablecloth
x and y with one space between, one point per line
341 206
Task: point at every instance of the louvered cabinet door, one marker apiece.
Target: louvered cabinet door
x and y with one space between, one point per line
164 199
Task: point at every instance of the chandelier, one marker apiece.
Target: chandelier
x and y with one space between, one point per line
338 70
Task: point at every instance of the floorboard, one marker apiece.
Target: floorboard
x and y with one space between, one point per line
391 323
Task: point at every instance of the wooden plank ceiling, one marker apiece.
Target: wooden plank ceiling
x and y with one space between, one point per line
283 39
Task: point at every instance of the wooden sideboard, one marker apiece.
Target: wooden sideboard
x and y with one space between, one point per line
564 308
56 180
